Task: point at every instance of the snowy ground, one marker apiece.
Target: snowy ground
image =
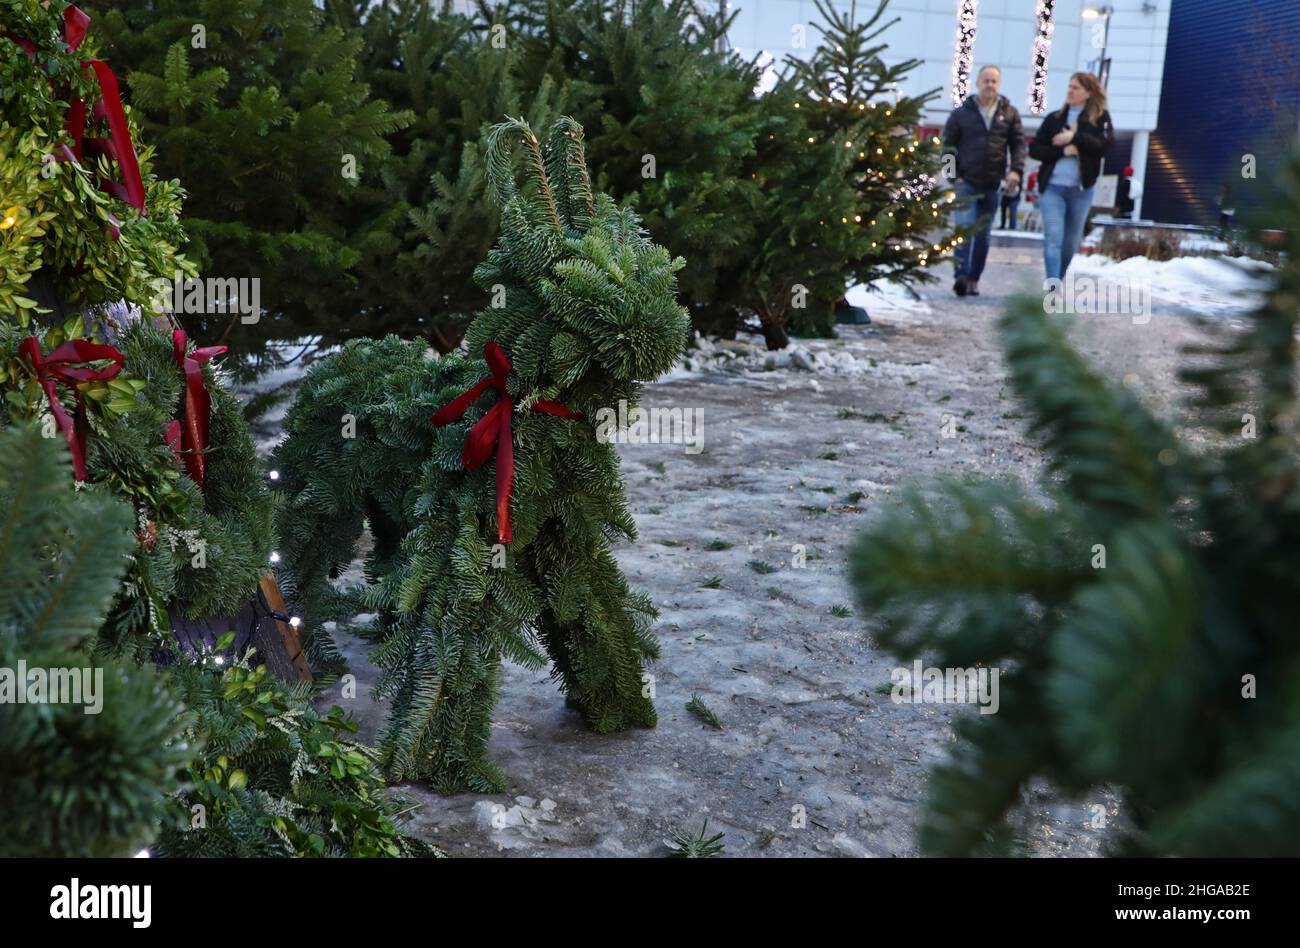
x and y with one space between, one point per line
800 448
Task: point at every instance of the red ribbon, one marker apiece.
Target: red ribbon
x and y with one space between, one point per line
189 439
67 365
494 428
117 147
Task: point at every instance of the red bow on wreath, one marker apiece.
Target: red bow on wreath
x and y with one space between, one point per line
67 365
494 427
190 440
108 107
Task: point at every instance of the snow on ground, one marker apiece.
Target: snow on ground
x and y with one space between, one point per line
1210 286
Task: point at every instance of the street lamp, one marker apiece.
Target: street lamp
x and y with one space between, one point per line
1092 12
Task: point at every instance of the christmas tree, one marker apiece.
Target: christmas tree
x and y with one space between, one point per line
455 80
805 239
850 91
672 121
1138 604
474 562
847 193
256 106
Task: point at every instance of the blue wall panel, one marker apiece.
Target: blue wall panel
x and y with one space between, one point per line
1231 87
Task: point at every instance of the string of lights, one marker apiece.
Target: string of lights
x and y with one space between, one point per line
963 57
1042 50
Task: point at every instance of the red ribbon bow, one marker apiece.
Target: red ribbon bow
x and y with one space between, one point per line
108 107
190 440
67 365
494 427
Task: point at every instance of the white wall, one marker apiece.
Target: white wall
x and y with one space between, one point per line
1004 35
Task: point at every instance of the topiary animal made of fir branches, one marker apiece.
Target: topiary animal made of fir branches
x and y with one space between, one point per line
491 502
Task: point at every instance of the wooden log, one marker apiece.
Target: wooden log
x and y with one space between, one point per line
291 663
278 644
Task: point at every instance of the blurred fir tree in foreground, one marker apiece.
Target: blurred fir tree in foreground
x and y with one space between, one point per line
75 781
1170 673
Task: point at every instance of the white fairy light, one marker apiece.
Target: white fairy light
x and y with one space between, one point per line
963 55
275 557
1042 50
294 621
274 475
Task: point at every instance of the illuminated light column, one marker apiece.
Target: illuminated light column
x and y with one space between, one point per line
963 54
1042 49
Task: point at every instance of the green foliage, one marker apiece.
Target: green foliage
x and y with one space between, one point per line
127 454
1168 669
845 192
455 82
684 845
276 778
260 118
62 219
672 122
75 782
702 711
264 121
588 314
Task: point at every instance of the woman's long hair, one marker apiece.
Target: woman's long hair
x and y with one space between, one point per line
1096 103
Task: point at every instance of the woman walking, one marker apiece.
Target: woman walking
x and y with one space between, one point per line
1070 143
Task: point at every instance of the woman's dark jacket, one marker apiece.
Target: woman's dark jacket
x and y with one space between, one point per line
1092 139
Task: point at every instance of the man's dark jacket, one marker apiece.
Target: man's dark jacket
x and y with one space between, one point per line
1092 140
982 152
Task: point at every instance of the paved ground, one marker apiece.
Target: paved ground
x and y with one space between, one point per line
797 687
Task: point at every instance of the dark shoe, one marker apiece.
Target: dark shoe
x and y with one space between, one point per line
960 287
973 288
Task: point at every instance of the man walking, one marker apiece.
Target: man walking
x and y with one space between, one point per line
980 134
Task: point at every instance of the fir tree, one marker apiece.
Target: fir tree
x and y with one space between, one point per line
587 313
1140 612
805 240
74 782
672 121
851 91
255 104
455 80
846 192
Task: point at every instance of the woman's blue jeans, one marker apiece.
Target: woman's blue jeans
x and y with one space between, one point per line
1064 212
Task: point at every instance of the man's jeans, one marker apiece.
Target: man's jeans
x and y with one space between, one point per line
1064 211
975 207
